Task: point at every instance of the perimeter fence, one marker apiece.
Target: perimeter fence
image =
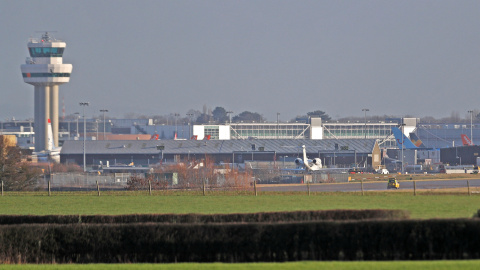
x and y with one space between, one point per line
120 181
85 181
139 181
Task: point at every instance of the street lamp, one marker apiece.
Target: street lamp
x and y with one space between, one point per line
176 116
365 129
230 115
403 136
104 111
190 115
77 115
471 125
96 126
83 104
276 131
284 161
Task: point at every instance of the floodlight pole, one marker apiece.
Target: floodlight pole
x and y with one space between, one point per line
190 115
403 140
104 111
176 116
471 125
365 128
77 115
276 131
83 104
229 115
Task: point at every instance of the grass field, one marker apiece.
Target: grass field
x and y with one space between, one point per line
423 206
424 265
116 203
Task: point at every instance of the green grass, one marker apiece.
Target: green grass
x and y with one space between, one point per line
424 265
117 203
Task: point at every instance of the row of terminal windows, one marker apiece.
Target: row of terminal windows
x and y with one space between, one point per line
46 52
213 131
42 75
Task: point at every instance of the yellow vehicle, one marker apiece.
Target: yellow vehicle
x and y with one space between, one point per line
393 183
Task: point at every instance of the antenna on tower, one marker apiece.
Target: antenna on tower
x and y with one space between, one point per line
46 37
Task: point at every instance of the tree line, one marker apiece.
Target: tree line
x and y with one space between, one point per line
219 115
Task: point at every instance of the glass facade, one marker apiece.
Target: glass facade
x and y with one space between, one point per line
46 52
43 75
358 131
269 131
381 131
213 131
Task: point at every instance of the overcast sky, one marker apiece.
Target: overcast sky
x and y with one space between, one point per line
419 58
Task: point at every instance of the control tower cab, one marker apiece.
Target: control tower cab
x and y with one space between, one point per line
44 69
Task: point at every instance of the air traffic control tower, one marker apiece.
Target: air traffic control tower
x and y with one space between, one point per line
44 69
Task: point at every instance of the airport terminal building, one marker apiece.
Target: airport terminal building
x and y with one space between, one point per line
333 153
315 129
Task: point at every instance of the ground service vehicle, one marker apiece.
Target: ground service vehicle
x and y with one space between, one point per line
393 183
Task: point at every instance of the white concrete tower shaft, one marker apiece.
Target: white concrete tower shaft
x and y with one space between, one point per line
45 70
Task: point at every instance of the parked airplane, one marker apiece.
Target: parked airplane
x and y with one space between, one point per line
416 141
466 141
308 164
403 140
313 165
52 153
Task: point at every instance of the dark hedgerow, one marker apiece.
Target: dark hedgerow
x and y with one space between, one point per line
214 218
241 242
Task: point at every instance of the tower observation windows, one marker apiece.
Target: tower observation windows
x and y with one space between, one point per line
46 52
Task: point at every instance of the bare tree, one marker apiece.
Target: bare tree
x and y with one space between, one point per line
15 173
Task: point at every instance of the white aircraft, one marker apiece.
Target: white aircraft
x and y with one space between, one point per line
52 153
308 164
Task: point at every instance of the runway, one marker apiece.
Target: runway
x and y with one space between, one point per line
374 186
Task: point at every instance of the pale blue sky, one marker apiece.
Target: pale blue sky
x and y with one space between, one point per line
420 58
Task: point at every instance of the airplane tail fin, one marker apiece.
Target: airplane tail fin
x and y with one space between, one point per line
416 141
305 160
466 141
51 143
402 139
